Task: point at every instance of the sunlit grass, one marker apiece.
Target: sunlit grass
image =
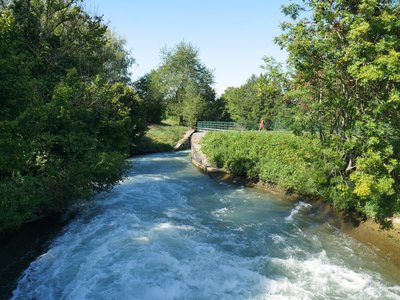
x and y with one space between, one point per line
161 138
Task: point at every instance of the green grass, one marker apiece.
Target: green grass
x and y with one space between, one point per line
160 138
295 163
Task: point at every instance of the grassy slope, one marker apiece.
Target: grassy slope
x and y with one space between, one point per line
297 164
160 138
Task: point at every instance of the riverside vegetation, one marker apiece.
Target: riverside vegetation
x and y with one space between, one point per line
340 96
70 114
297 164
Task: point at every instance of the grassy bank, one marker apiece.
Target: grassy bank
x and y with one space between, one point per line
296 163
160 138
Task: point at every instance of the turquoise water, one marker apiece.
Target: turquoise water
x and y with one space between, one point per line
170 232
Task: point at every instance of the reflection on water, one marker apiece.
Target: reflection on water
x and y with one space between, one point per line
169 232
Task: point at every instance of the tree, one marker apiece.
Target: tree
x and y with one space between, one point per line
151 94
243 103
117 59
346 87
272 86
260 96
187 83
68 116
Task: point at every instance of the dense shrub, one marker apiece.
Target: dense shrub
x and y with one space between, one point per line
68 115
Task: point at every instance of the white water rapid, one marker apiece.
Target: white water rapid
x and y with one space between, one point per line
170 232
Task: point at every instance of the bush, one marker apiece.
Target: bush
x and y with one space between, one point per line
282 158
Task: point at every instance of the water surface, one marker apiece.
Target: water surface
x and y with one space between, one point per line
170 232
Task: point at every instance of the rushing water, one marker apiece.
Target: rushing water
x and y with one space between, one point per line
170 232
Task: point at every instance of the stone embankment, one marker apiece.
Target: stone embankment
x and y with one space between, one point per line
184 143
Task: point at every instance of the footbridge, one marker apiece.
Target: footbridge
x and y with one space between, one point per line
218 125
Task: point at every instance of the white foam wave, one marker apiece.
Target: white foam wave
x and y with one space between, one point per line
220 212
240 189
141 239
301 206
277 239
181 214
319 277
115 270
169 226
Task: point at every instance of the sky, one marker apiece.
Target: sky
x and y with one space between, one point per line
232 35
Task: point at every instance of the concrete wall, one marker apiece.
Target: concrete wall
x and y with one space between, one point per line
198 157
184 143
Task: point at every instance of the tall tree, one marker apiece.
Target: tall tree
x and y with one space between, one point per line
243 103
151 94
68 116
345 54
272 86
187 83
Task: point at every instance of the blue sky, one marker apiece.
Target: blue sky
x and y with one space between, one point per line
232 36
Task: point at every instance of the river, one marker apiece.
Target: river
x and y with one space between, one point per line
170 232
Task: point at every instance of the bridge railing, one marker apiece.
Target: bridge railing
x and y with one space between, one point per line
218 125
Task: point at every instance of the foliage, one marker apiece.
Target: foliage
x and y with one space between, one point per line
272 87
186 84
68 117
302 164
261 96
297 164
346 86
151 95
180 88
243 103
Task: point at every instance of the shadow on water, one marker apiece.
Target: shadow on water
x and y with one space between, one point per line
19 250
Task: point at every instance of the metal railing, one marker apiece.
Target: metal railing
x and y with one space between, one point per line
217 125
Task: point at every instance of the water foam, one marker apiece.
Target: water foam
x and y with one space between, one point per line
301 206
319 277
220 212
163 237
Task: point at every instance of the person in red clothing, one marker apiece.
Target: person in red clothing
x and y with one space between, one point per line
262 124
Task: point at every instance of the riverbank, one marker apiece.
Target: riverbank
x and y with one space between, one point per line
160 138
18 250
383 240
